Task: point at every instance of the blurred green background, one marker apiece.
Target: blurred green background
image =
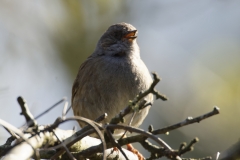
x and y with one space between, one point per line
193 45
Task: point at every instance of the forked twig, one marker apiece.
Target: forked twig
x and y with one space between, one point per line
26 112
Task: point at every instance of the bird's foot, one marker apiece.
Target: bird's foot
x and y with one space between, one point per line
135 151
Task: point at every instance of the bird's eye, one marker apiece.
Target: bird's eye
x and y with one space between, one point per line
117 35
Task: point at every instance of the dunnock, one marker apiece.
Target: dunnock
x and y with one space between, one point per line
111 76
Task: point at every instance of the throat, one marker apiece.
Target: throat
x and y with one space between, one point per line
119 54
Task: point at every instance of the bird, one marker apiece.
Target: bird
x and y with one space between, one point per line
111 76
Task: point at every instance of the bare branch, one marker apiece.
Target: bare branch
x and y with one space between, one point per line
93 148
26 112
188 121
12 153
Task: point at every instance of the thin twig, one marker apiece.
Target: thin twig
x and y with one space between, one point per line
188 147
114 142
64 111
64 146
53 106
187 122
68 109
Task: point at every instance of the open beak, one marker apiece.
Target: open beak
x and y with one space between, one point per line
130 35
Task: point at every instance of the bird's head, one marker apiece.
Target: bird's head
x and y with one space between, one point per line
119 40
